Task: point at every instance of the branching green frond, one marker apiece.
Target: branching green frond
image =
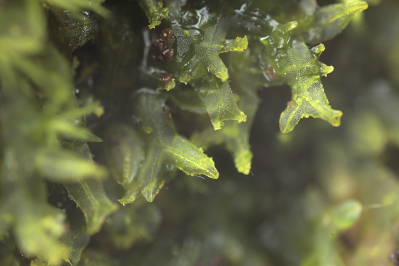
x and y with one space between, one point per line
235 136
298 66
89 195
205 70
189 158
153 175
165 151
220 103
206 54
331 20
303 74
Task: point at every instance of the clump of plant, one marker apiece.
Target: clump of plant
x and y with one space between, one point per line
103 103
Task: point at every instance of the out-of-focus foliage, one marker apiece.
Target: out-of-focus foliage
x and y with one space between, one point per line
39 116
118 120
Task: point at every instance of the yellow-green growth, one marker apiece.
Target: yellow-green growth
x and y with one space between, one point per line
303 74
155 12
190 159
125 153
220 103
166 151
89 195
206 57
331 20
299 67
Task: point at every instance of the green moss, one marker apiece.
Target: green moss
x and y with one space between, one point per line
115 117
